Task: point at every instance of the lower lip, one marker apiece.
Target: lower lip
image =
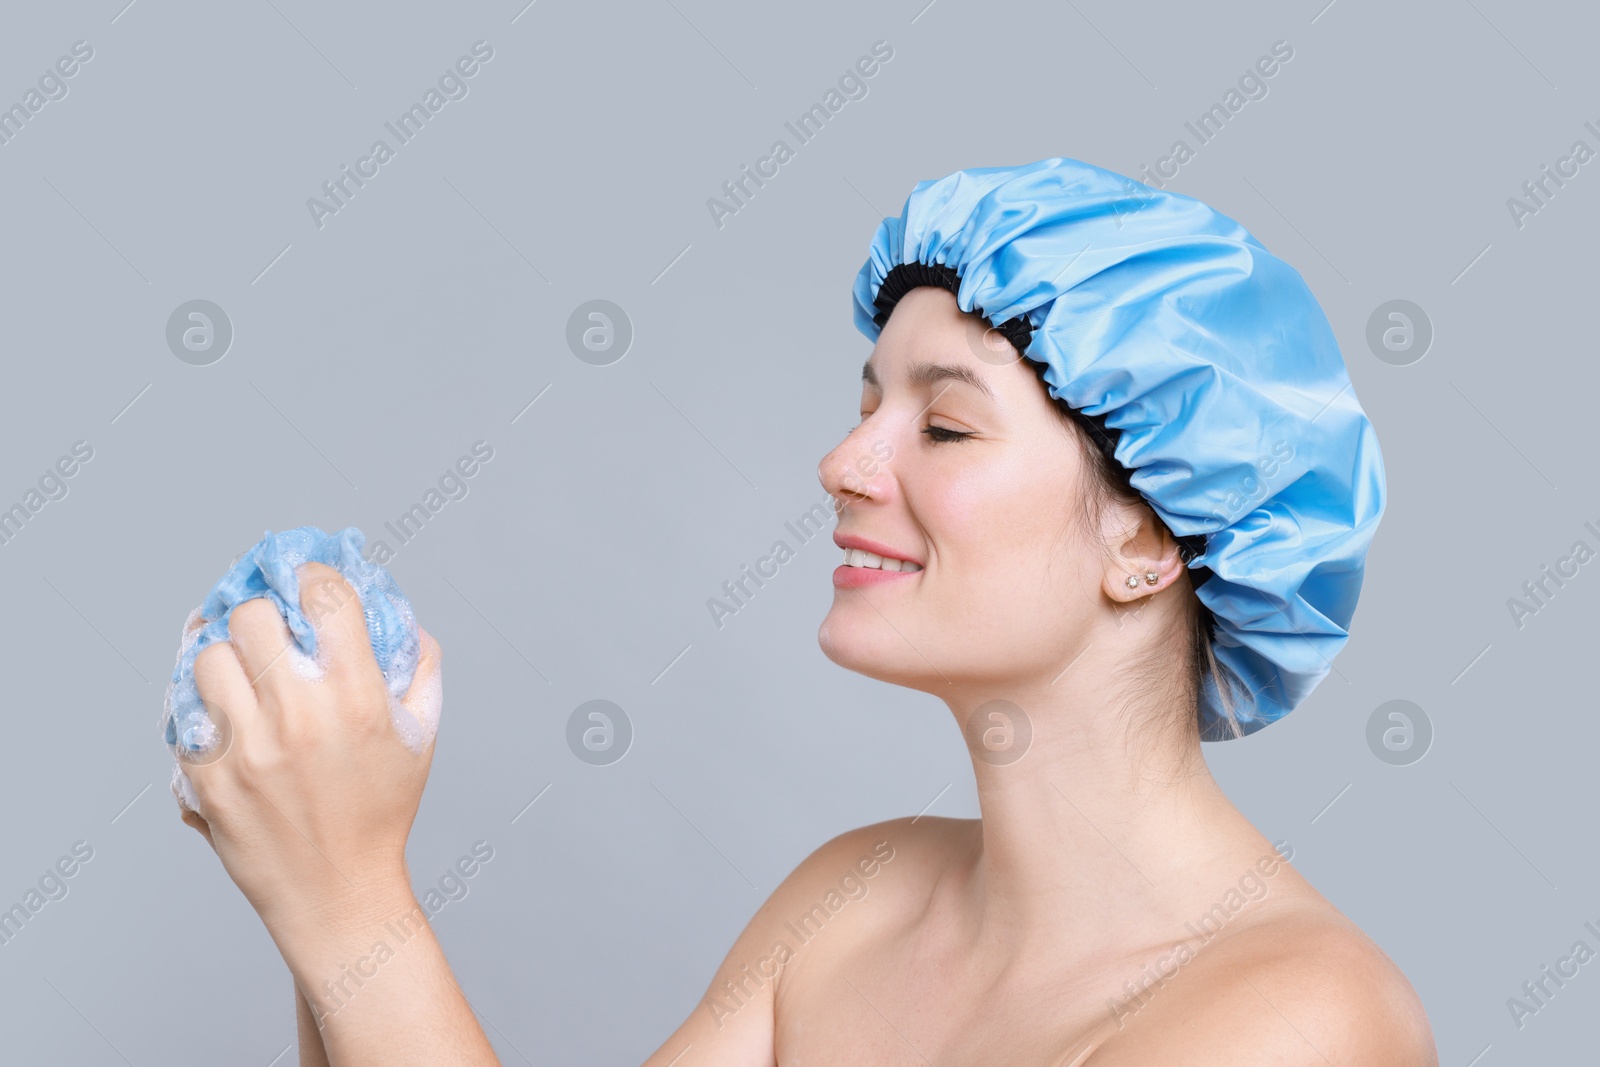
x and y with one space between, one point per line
848 577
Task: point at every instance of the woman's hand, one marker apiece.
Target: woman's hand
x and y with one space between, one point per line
309 808
310 805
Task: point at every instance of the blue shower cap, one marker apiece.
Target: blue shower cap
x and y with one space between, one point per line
1201 363
267 570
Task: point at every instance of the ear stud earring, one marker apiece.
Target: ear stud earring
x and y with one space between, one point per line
1151 577
1133 582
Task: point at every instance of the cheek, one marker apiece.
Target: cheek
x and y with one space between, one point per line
1005 550
1000 518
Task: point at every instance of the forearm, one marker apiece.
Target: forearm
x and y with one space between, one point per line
312 1054
377 988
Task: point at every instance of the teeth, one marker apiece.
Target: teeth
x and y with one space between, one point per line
858 557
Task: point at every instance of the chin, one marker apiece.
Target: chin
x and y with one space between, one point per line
872 648
849 641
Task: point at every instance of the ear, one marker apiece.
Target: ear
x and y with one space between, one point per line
1146 549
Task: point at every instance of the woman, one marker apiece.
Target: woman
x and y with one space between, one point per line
1110 495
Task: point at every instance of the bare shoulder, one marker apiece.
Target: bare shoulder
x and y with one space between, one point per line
921 848
864 881
855 882
899 858
1304 986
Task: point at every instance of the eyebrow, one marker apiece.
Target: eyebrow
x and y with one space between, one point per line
923 373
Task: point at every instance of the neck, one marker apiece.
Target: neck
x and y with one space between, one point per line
1100 829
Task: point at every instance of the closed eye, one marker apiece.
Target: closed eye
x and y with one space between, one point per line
937 434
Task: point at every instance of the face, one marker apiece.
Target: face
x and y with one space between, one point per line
969 472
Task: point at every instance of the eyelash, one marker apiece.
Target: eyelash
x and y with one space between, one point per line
938 434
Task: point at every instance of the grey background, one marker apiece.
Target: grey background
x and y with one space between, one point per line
371 353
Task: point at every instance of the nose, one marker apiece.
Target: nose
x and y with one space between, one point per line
856 470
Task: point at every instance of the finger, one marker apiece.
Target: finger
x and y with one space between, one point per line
426 695
229 699
220 679
334 610
260 638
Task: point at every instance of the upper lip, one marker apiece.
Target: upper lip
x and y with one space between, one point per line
866 544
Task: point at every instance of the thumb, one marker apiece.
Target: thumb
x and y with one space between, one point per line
193 819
